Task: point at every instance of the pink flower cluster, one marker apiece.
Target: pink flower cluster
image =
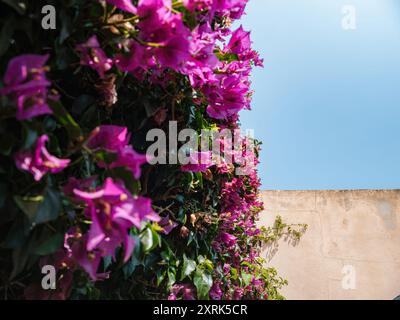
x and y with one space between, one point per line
163 42
113 211
217 62
199 162
182 291
93 56
240 209
163 39
25 82
228 89
114 140
231 8
125 5
39 161
111 208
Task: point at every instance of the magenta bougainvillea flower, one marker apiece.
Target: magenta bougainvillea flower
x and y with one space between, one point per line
183 291
202 45
66 260
216 292
25 81
125 5
173 52
109 138
227 239
229 98
74 183
113 211
232 8
115 140
166 42
167 225
39 161
139 57
163 39
130 159
199 162
93 55
197 4
240 42
154 14
75 249
88 261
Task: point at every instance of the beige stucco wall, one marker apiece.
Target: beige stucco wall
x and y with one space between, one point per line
350 233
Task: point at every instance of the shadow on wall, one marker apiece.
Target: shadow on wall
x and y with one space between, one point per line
281 231
350 250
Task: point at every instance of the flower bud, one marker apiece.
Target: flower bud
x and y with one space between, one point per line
193 219
184 232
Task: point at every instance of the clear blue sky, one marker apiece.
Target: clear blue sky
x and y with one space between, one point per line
327 103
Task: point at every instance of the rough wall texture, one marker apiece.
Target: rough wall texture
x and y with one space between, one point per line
351 249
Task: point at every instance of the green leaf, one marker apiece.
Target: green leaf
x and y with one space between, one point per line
229 57
107 157
156 238
6 34
203 282
180 198
127 177
20 258
150 239
234 273
134 261
17 234
160 276
171 277
29 206
182 217
50 245
247 278
207 264
147 240
42 208
199 178
201 259
30 137
107 262
188 267
50 208
65 119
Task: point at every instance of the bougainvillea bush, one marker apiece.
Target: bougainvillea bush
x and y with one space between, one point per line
76 189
